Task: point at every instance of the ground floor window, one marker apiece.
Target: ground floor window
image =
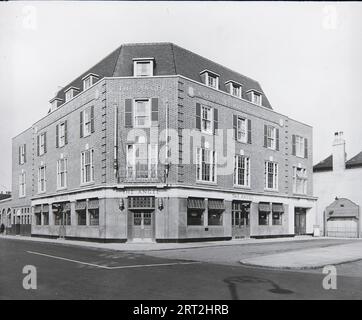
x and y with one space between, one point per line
195 211
57 219
215 212
94 217
278 210
67 221
45 218
264 212
82 217
195 217
38 219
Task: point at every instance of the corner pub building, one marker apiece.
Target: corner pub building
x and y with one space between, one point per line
92 167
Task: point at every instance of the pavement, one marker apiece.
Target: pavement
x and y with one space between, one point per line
309 258
210 272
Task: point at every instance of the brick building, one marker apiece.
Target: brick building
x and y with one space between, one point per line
98 166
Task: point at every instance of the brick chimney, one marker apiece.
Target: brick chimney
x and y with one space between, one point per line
339 152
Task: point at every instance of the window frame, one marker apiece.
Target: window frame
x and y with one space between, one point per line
42 144
210 156
136 69
152 160
274 174
239 129
61 138
303 177
87 125
22 184
272 137
299 146
246 175
42 178
147 114
258 100
209 119
64 172
22 154
84 167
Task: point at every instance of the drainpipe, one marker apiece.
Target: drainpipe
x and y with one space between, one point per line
115 149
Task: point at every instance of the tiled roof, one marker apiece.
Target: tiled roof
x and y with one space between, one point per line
356 161
324 165
170 59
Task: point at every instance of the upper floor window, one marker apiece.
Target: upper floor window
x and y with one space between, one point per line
300 180
22 154
55 103
61 134
299 146
255 97
205 165
70 93
41 179
242 129
62 173
234 88
143 67
89 80
142 113
211 79
22 184
142 160
271 137
87 121
42 143
206 119
87 167
242 171
271 175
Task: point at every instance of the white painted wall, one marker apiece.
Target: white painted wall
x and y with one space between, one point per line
345 183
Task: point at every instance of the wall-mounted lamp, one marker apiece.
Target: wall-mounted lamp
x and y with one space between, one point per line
160 203
121 204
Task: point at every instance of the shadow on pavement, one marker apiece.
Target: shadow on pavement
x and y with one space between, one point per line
233 282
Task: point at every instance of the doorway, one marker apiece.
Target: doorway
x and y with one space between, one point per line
142 225
240 220
300 221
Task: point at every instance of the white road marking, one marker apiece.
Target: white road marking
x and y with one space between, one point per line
119 267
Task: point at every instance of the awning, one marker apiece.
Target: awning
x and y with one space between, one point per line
37 209
93 204
45 208
264 206
196 203
278 207
80 205
216 204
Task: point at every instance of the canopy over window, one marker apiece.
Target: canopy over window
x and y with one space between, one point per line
278 207
93 204
196 203
80 205
216 204
264 206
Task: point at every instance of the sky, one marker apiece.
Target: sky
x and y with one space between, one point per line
305 55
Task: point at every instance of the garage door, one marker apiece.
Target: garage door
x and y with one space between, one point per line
345 228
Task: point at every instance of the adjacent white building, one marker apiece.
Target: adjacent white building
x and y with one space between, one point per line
338 186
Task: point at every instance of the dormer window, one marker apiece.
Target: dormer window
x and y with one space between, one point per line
55 103
234 88
255 97
89 80
143 67
70 93
211 79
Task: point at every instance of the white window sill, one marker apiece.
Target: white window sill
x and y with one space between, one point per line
213 183
84 184
61 188
272 190
242 187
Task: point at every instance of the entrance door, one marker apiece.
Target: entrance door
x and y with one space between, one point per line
300 221
142 225
240 219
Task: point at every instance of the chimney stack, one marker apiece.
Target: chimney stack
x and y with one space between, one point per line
339 152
